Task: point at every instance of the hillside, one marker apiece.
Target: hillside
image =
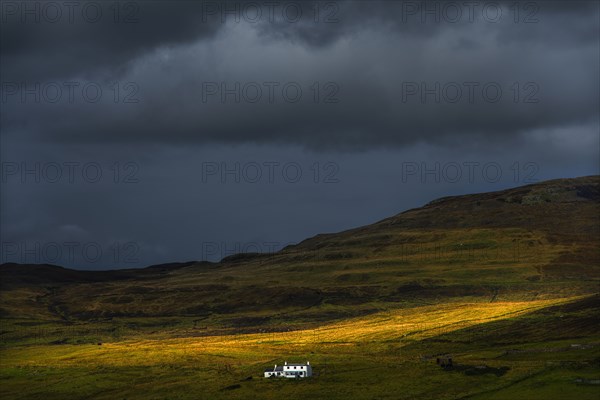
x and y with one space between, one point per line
532 242
505 282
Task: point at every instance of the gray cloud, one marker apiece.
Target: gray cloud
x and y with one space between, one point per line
98 42
376 62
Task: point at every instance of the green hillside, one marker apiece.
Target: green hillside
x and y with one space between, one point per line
508 279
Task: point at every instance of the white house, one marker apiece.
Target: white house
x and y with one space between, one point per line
276 371
289 370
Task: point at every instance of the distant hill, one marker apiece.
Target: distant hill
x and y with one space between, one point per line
531 242
43 274
558 207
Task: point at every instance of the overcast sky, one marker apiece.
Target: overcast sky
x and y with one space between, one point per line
153 132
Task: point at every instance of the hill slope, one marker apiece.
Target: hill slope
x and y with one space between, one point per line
505 282
532 242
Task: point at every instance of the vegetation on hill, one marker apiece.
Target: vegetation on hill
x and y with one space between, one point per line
507 282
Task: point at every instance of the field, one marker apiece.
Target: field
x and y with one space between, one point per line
387 355
507 283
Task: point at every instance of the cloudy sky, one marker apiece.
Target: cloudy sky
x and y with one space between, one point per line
144 132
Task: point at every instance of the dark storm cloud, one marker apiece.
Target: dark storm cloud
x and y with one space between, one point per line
375 62
425 19
90 36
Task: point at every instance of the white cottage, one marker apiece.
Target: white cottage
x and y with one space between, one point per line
289 370
276 371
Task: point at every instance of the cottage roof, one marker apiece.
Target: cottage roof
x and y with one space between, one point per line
278 368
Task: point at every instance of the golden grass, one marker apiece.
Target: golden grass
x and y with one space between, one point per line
374 356
410 324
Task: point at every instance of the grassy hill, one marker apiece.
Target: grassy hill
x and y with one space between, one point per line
505 281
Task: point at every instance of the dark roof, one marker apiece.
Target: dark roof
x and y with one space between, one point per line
276 369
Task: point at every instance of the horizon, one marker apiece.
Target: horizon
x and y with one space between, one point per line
176 263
